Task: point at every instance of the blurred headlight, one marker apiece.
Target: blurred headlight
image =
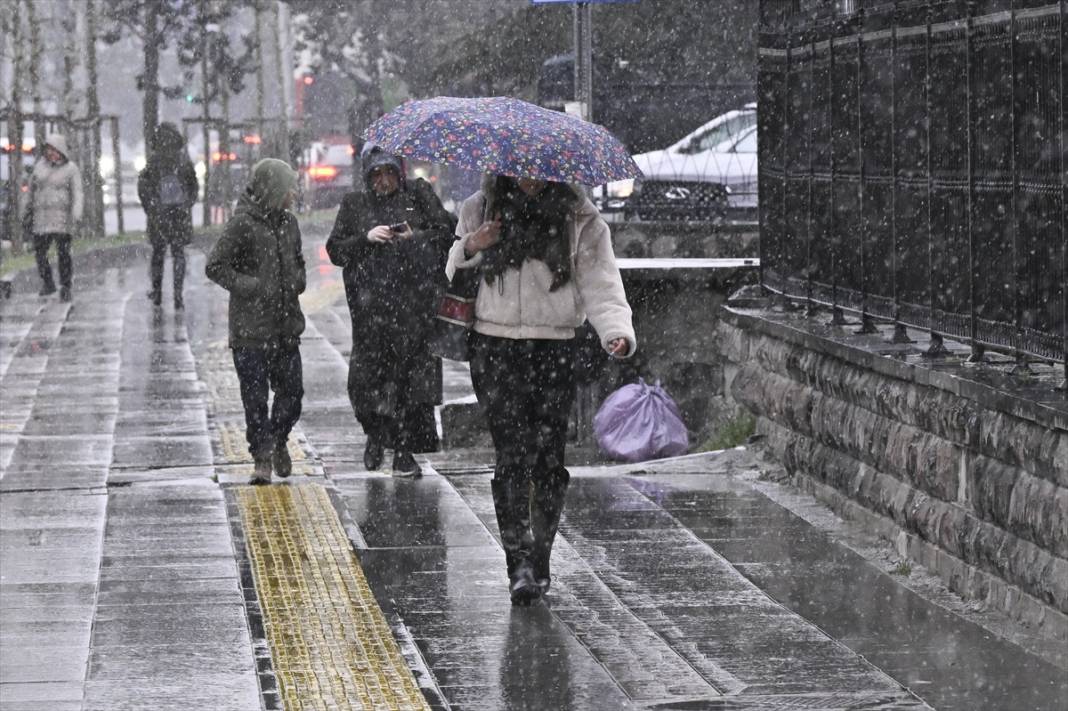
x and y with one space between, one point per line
621 189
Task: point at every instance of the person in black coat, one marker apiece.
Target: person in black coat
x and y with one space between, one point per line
392 239
168 189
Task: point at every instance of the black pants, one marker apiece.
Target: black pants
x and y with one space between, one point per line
159 251
527 388
260 370
41 244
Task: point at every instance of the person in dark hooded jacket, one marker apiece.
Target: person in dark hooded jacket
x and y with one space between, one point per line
259 261
392 239
168 188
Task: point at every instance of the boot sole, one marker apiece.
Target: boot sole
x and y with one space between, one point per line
526 596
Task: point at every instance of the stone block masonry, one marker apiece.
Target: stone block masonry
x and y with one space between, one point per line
966 473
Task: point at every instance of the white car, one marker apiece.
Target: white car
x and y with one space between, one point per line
704 176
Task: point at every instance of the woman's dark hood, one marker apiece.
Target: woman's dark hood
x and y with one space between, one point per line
372 157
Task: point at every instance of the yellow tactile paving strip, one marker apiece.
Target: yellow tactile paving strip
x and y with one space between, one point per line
331 647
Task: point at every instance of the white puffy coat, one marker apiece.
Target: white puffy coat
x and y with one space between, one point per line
56 193
519 304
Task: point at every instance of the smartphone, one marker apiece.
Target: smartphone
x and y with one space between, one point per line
399 228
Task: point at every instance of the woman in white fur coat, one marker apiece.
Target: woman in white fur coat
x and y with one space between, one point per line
546 264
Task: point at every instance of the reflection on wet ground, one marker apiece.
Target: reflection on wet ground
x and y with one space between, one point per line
137 571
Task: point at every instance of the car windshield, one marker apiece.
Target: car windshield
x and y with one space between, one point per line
722 133
748 143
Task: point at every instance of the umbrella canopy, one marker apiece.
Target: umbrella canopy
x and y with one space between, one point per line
504 136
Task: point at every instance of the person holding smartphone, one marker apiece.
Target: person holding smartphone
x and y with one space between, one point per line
391 240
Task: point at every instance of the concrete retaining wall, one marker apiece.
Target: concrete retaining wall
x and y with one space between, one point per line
967 479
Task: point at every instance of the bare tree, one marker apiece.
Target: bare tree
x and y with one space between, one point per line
34 25
91 171
284 77
72 13
348 39
155 23
257 10
16 128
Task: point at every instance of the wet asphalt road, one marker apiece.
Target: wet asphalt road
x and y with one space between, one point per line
137 572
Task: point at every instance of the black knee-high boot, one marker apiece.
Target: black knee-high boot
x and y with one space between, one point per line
549 493
511 499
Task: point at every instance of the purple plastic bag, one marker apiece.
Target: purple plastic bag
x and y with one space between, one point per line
638 422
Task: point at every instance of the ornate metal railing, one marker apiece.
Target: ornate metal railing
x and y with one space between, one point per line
912 166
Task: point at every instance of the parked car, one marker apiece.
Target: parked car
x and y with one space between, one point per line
708 175
327 175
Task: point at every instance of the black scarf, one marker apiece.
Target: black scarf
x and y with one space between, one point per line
531 228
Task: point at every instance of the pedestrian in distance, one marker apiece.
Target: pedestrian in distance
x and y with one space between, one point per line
167 188
258 260
546 264
391 240
54 209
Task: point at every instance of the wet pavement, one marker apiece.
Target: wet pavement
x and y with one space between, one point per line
137 571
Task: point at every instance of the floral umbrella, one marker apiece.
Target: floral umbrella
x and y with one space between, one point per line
504 136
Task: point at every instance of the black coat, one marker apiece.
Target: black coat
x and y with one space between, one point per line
393 291
168 223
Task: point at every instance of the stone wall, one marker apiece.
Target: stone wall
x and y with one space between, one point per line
968 478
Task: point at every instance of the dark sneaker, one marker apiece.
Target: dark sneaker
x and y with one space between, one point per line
262 473
523 589
404 464
64 294
283 465
372 455
47 290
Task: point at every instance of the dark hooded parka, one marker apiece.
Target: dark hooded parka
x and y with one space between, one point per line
393 290
167 188
258 260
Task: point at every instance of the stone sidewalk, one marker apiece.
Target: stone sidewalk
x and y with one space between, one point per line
138 572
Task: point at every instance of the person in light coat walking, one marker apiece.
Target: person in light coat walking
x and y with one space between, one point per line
546 265
55 209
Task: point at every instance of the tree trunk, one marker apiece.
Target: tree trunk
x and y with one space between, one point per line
224 150
71 13
91 171
15 131
284 79
150 106
205 104
257 7
34 24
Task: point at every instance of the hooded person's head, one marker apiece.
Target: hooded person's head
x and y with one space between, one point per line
168 140
57 143
375 162
272 182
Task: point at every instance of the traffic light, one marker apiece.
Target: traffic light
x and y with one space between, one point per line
189 98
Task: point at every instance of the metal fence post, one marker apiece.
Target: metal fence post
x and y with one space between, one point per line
867 323
837 318
1021 364
977 349
900 333
1063 141
811 308
936 348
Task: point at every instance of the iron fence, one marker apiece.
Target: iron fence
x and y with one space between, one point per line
912 166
